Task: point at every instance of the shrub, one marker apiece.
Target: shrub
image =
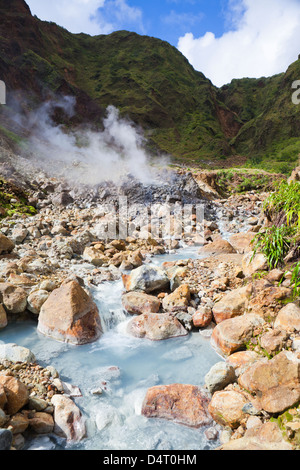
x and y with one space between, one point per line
274 243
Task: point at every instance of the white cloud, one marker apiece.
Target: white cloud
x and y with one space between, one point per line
88 16
264 39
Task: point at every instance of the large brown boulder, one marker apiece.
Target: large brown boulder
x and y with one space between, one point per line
183 404
268 301
232 334
70 315
275 383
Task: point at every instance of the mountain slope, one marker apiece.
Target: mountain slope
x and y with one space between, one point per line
181 113
270 134
150 81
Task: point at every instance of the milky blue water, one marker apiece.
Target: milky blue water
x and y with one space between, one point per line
114 419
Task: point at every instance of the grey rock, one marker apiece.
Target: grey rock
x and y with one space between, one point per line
6 438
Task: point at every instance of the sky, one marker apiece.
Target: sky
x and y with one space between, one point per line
224 39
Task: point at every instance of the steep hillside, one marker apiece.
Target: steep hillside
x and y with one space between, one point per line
270 135
181 113
150 81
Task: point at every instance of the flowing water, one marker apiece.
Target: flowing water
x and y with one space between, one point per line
123 368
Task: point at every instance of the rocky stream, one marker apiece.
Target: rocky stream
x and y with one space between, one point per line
144 341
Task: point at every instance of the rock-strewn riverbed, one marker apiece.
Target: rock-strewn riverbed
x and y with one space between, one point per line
51 267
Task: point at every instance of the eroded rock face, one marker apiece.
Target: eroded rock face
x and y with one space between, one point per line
183 404
70 315
275 384
156 327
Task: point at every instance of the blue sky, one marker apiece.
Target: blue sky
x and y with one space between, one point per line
169 19
224 39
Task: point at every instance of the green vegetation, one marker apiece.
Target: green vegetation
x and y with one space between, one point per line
286 200
13 201
241 181
274 243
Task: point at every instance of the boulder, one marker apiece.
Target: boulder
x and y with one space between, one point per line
14 353
178 300
275 383
156 327
241 242
6 245
288 318
138 303
265 436
232 304
219 376
268 301
216 247
241 360
6 438
36 300
183 404
252 264
202 317
146 278
18 423
275 275
232 334
70 315
42 423
226 408
14 298
16 393
68 420
274 340
94 256
3 399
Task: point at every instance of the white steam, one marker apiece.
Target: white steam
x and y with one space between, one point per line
86 156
